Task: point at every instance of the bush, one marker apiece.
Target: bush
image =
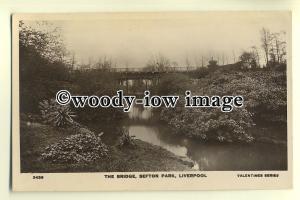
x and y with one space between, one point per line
265 103
210 123
55 114
264 92
76 149
212 64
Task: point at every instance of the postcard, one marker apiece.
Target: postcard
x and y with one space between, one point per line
140 101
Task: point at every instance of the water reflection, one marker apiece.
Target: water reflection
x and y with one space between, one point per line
151 134
206 156
137 113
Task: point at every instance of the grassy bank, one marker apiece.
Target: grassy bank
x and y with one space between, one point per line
35 137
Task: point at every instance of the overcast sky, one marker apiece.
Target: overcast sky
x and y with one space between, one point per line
132 39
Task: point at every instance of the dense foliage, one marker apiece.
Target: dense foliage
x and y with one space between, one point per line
210 123
264 91
76 149
174 83
43 68
265 102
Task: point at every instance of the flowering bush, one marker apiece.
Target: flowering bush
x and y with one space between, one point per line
210 123
76 149
264 94
55 114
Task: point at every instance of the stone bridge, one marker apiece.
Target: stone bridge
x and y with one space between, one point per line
142 76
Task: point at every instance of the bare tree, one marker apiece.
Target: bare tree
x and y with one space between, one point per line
233 54
187 63
174 64
199 61
266 40
279 46
104 63
256 55
223 58
73 61
158 63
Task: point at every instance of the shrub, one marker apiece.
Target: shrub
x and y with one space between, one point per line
76 149
264 92
55 114
265 103
126 139
212 64
210 123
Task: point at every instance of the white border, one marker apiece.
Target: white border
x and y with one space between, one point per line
8 7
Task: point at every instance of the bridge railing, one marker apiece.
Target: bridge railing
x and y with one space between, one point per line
135 69
165 69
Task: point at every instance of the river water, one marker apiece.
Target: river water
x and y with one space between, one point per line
144 125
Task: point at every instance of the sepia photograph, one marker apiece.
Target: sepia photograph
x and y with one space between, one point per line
93 93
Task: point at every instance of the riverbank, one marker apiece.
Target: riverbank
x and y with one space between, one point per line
262 118
35 137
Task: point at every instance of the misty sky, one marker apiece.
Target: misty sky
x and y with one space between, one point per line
131 40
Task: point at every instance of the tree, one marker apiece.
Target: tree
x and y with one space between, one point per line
44 39
158 63
256 55
43 63
187 63
274 47
266 43
248 59
278 47
212 63
104 63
